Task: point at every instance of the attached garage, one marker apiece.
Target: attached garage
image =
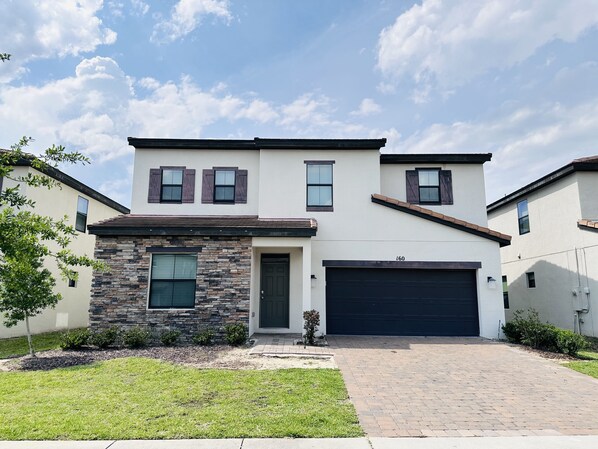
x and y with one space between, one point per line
398 299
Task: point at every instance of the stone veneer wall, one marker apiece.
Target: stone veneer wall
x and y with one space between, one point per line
120 296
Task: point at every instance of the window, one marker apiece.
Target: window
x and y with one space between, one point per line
531 279
505 292
429 186
224 186
81 220
319 186
523 217
72 283
173 281
172 186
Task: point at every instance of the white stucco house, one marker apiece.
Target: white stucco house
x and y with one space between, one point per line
552 263
260 230
82 205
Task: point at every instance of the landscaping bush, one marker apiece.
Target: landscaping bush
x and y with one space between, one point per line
105 338
527 329
136 337
512 332
311 322
204 338
569 342
235 334
74 339
170 338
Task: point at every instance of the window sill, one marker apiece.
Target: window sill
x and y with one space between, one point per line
171 308
320 209
170 202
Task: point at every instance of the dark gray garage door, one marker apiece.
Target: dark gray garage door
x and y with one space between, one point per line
373 301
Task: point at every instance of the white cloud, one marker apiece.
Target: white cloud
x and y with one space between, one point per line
526 142
186 16
139 7
367 107
35 29
447 43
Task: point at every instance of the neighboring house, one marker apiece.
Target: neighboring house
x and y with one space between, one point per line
258 231
552 263
82 205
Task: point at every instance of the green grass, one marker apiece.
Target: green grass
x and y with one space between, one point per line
589 365
137 398
16 347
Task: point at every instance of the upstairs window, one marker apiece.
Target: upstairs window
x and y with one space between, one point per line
224 186
319 186
173 281
429 186
172 186
523 217
81 220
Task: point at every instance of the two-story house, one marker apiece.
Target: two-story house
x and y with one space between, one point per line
82 205
552 263
260 230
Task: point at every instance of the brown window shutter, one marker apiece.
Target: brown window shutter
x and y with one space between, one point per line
188 185
155 185
412 186
446 187
241 186
207 186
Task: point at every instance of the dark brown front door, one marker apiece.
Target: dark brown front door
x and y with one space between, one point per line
274 291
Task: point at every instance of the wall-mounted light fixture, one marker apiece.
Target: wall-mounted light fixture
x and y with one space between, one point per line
491 283
313 280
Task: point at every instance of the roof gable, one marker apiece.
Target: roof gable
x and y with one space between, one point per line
427 214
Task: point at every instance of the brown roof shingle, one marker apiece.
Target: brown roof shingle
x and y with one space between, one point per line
225 225
591 225
472 228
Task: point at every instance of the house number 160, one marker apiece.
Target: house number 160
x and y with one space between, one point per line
400 258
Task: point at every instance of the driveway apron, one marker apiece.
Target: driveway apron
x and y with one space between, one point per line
429 386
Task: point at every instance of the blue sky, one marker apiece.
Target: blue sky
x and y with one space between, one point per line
515 78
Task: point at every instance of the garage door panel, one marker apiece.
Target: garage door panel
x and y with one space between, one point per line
401 302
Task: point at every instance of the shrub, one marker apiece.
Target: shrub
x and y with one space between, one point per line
527 329
170 338
311 322
136 337
74 339
103 339
204 338
512 332
569 342
235 334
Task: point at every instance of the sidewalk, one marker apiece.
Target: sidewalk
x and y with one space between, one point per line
557 442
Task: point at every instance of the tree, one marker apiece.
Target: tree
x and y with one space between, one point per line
27 239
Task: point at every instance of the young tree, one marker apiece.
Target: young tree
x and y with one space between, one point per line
27 239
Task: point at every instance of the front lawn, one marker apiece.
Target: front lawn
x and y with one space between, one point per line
137 398
590 365
17 346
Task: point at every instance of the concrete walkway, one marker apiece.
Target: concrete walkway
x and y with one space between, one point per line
561 442
462 387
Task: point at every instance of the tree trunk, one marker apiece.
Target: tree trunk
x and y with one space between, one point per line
31 350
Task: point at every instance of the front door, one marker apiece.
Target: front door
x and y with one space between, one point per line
274 291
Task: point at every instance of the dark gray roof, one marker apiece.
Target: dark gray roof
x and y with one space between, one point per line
65 179
208 225
582 164
258 144
436 158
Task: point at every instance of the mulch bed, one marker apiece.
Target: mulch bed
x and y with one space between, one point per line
198 356
557 356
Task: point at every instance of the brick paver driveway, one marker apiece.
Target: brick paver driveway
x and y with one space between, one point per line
419 386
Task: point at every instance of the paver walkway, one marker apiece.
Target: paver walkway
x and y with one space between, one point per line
403 386
286 345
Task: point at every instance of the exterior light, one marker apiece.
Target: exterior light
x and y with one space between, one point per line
491 283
